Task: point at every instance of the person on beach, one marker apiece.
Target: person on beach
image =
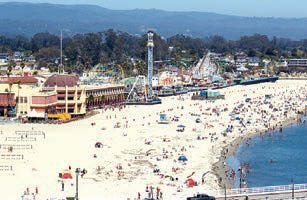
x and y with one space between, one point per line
63 185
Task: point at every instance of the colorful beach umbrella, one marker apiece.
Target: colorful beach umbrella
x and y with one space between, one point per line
190 182
66 175
182 158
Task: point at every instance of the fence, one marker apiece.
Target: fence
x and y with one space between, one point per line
30 133
11 156
4 168
20 139
263 190
16 146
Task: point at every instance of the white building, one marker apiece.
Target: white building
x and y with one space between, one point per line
4 58
297 63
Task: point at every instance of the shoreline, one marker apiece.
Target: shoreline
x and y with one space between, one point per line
220 169
137 150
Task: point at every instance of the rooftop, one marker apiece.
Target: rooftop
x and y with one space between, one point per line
62 80
18 79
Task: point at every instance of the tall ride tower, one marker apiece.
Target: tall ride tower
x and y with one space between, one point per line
148 98
150 46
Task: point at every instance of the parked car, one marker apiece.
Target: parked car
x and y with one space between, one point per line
201 197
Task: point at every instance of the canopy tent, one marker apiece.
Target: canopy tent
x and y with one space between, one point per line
182 158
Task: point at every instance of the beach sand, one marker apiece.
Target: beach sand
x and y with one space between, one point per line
124 165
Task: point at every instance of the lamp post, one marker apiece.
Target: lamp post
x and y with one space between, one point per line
77 189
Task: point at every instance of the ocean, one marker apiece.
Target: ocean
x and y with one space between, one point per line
274 158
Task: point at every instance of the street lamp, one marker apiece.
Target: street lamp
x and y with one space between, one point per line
77 189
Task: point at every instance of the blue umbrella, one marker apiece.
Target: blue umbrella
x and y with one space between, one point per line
182 158
181 126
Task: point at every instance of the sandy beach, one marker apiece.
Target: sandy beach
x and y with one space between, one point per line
138 152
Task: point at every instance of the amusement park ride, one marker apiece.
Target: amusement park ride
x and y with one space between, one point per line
206 71
141 92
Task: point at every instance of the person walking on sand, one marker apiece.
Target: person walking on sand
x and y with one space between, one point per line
158 192
151 192
63 185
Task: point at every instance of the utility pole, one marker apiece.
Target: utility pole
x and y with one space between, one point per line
225 192
61 59
77 189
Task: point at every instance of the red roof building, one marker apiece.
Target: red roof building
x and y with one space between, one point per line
62 80
23 80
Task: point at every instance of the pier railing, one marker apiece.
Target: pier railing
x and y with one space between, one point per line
263 190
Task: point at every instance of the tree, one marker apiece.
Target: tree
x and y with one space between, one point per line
22 65
10 67
44 40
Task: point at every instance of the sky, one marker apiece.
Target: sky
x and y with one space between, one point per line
258 8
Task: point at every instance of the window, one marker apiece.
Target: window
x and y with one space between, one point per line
70 110
70 98
61 98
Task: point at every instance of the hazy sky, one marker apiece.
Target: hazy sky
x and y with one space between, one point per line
268 8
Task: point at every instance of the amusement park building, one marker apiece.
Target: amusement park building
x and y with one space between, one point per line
70 95
103 95
24 97
76 99
21 96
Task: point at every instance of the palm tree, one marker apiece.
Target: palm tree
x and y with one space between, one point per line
22 65
17 102
9 71
9 98
10 67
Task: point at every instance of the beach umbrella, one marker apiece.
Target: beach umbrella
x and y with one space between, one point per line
182 158
98 145
190 182
181 126
66 175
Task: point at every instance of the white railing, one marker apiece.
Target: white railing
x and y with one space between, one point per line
295 198
262 190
